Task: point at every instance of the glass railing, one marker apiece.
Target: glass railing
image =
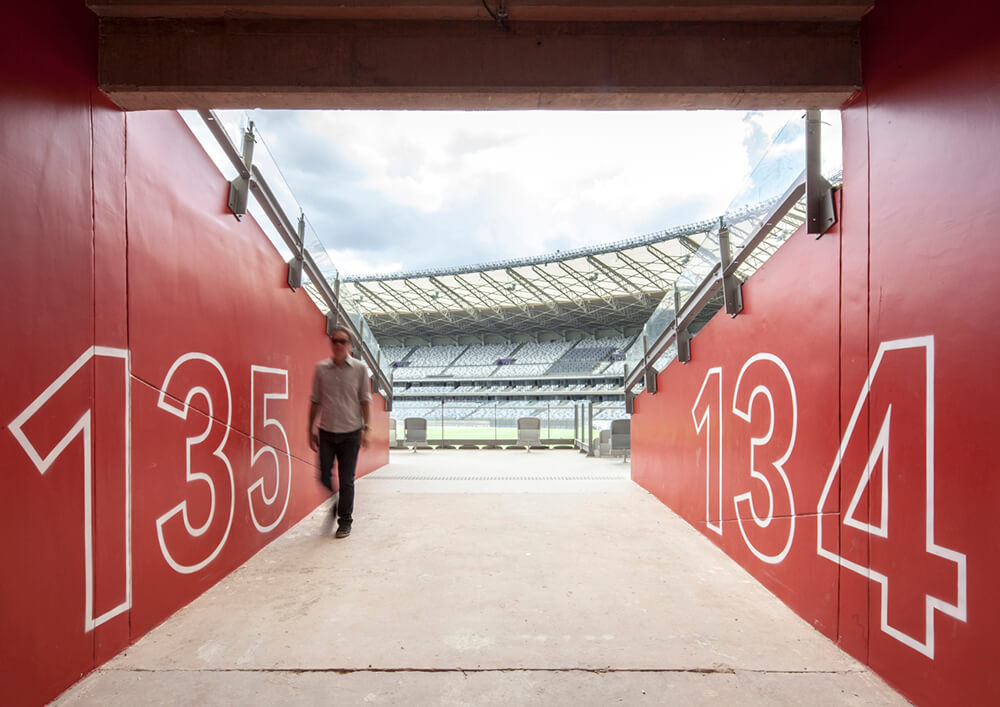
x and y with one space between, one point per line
780 167
234 124
450 421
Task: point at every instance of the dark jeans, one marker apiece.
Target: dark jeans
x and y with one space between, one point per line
344 447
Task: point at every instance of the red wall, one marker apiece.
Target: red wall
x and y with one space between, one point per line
156 367
871 510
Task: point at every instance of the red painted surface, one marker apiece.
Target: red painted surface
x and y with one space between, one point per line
897 566
129 290
748 367
103 248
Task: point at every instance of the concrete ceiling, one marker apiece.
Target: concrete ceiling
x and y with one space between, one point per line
479 54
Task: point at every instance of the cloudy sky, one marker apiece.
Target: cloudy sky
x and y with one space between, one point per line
394 191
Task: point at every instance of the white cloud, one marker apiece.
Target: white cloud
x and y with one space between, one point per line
418 189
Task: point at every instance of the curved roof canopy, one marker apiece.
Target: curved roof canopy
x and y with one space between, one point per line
616 286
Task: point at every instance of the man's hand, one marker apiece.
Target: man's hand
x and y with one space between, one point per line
314 440
364 438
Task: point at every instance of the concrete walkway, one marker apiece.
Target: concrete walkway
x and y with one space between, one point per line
488 578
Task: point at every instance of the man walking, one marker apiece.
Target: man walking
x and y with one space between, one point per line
341 399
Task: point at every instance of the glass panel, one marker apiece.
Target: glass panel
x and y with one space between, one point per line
633 356
314 244
701 263
259 215
662 317
832 163
269 170
781 164
208 142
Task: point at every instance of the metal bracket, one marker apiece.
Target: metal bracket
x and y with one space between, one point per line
648 372
649 379
332 320
683 335
732 288
819 193
590 428
295 264
239 187
629 402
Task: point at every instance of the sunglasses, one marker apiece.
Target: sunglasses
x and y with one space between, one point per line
341 341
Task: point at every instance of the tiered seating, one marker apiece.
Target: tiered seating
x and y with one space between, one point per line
394 353
542 353
479 360
580 359
427 361
402 409
533 359
435 356
485 353
429 390
471 371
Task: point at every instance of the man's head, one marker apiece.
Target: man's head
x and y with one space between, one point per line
340 342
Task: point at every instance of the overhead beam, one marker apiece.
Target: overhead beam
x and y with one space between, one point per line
518 10
156 63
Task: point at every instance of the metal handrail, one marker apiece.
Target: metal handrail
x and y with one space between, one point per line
283 225
713 281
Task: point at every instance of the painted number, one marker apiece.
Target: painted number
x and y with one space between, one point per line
765 377
261 502
182 532
889 521
709 424
109 527
768 452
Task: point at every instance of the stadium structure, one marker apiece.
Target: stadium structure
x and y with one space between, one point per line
564 338
481 346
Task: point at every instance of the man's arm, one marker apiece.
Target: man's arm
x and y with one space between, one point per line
313 434
314 407
366 411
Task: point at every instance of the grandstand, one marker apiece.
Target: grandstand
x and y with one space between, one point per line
482 345
584 357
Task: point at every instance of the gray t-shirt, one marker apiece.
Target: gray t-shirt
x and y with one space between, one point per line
339 391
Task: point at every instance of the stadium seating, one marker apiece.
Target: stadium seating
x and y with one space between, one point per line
415 431
529 431
435 356
392 354
483 354
621 437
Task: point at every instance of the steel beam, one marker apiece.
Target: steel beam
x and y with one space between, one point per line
819 193
285 62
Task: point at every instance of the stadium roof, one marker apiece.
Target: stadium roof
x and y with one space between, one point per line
615 286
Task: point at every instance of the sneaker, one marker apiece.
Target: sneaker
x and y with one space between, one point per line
343 530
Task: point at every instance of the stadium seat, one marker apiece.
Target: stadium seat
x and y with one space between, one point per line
415 431
604 444
529 431
621 438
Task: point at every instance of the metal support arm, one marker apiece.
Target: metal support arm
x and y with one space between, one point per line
298 259
239 187
683 335
819 193
732 288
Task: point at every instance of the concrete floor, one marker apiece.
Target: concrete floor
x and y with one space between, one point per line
488 578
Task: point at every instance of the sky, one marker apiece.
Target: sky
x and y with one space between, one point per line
391 191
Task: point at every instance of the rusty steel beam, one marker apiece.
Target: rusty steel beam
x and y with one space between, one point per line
155 63
517 10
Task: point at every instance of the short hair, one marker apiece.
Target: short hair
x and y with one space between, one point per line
343 330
